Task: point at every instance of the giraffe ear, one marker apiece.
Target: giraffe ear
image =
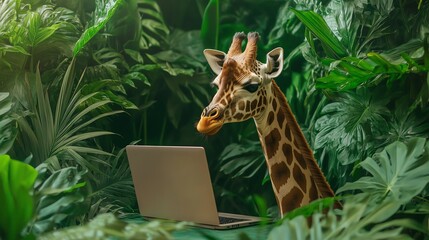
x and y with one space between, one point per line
274 65
215 59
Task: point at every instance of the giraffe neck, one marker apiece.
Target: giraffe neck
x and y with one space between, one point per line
295 176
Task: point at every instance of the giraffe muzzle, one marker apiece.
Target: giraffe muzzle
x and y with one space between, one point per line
211 121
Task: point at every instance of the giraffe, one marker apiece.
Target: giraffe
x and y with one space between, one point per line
246 89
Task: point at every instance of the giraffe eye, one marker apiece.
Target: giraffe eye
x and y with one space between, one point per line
252 87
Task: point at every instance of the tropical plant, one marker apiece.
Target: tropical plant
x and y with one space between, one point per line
357 220
345 46
7 123
111 189
108 226
16 185
399 172
58 198
46 134
29 36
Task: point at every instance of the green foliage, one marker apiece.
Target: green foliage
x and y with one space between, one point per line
32 35
46 133
104 10
351 72
243 160
210 25
58 198
348 124
317 25
357 220
108 226
7 123
16 185
111 190
399 172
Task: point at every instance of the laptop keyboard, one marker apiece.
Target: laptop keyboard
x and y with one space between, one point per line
225 220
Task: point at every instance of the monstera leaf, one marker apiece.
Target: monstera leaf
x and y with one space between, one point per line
399 172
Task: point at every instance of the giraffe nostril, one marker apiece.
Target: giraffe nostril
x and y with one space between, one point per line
213 113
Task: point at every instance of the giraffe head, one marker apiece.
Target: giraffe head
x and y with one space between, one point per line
241 82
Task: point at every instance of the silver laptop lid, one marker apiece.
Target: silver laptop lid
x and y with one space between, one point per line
173 183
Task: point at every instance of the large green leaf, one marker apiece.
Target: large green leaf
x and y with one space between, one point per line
351 72
57 198
319 28
154 29
105 9
16 185
399 172
210 25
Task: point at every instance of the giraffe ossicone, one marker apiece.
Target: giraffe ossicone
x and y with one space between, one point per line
246 89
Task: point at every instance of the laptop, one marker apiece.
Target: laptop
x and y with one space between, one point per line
174 183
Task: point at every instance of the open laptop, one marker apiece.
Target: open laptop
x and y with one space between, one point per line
174 183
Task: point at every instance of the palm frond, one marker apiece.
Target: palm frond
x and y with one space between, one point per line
112 187
46 133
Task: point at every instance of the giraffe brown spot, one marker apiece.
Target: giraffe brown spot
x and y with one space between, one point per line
238 116
260 101
280 173
287 151
247 106
233 109
223 102
254 102
299 177
270 118
272 142
280 117
241 105
247 116
288 133
265 101
313 191
300 159
292 200
274 105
